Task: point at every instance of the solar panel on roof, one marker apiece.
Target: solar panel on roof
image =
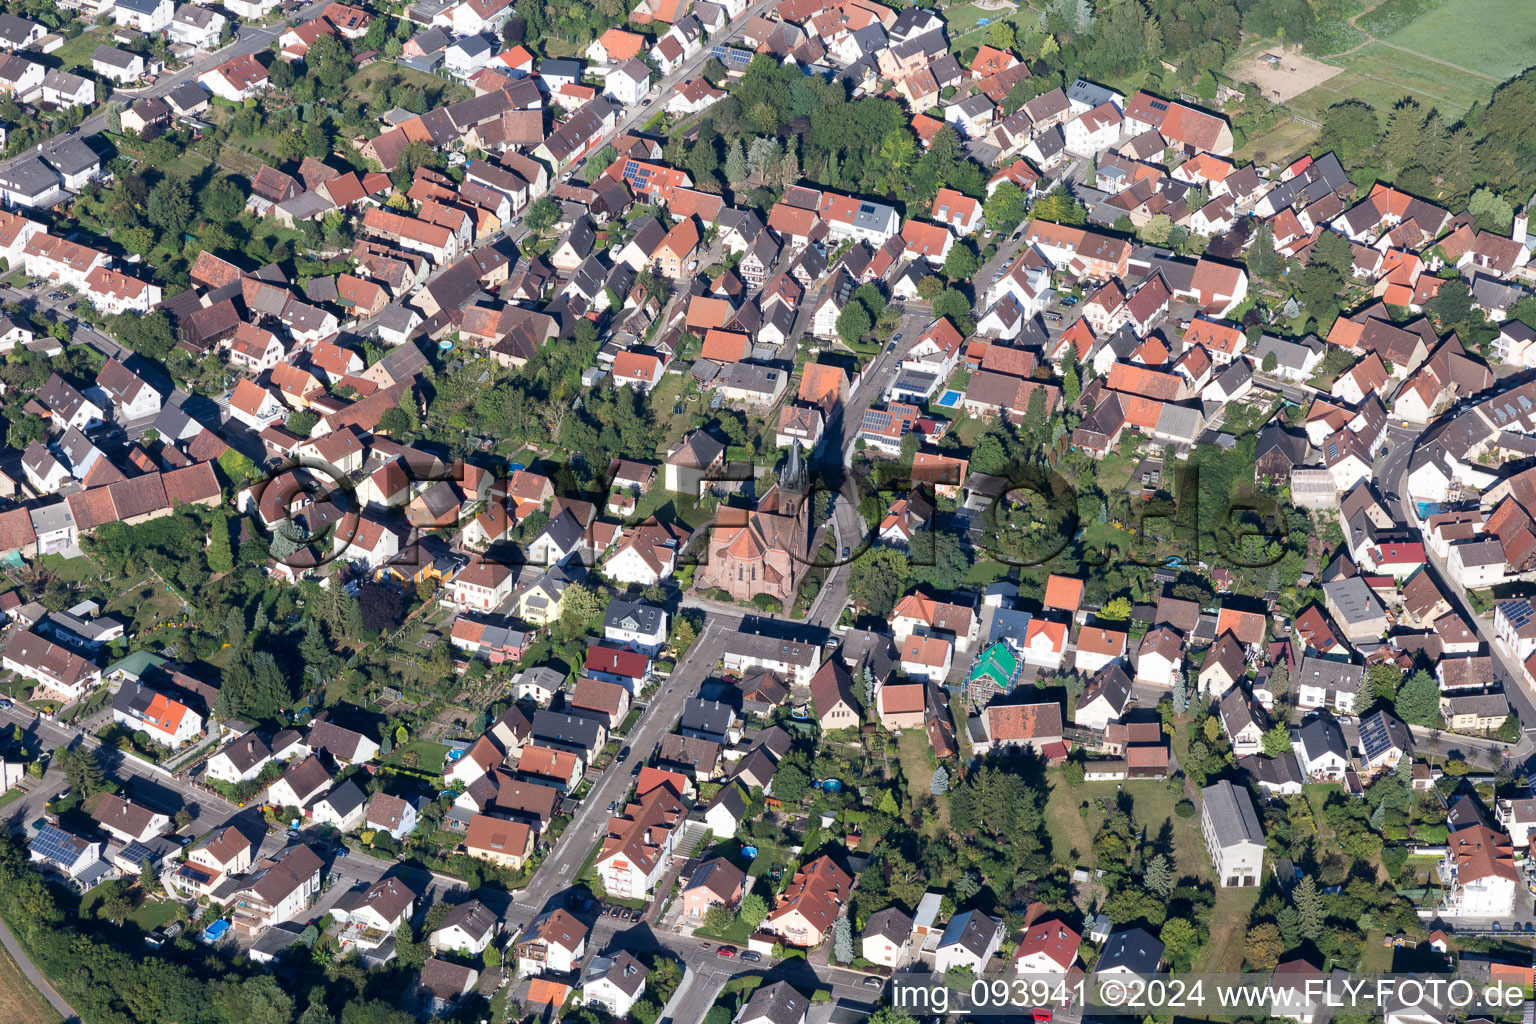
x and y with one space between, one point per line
55 845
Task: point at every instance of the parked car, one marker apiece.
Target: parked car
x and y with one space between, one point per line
751 957
726 951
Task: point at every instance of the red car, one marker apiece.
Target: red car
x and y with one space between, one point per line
726 951
1042 1015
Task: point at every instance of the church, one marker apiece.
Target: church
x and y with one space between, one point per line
762 550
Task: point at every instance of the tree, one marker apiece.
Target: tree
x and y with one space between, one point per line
403 419
961 262
1059 207
1452 304
579 609
717 918
1263 261
83 771
542 214
381 605
753 910
1309 907
1334 251
842 939
1277 740
736 169
169 206
1071 385
1264 946
1492 213
939 784
1418 700
1157 229
1350 128
1116 609
1158 877
876 580
854 322
1180 941
220 553
1384 680
1006 208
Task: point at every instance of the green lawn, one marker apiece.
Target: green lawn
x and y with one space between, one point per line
1380 75
1279 143
1072 830
1458 31
913 749
1223 952
71 570
429 755
76 53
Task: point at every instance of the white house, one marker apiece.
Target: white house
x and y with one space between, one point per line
1161 657
1047 947
147 16
636 626
391 814
613 983
1481 864
1323 683
1232 834
469 928
970 940
554 943
629 82
1321 750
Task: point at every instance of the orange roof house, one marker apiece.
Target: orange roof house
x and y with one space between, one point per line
823 384
1064 593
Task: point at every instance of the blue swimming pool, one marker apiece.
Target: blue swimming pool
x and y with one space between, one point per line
950 398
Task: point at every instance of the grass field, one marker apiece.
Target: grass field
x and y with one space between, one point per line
1284 140
1444 58
1072 831
1223 952
1380 75
1458 31
912 747
20 1003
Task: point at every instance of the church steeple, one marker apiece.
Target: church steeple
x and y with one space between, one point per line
795 478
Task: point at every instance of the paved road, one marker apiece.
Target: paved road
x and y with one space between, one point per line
250 39
557 874
144 782
32 974
1507 669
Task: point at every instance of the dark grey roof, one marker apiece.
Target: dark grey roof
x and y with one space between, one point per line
1322 735
1381 732
1133 950
1329 674
1231 814
633 615
779 1003
345 798
72 156
29 177
705 716
566 732
1280 770
972 929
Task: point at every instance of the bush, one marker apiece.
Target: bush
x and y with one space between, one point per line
1184 809
767 603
